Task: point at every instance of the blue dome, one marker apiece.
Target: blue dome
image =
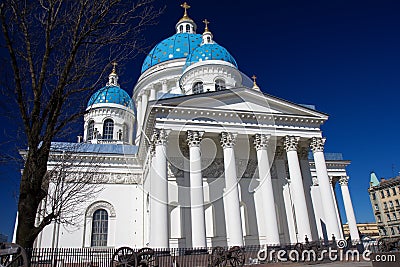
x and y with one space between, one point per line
111 94
210 52
179 45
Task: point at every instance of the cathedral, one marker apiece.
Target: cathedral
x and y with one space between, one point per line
200 156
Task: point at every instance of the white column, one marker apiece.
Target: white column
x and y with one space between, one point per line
145 100
271 222
196 191
138 119
233 221
159 193
153 95
332 223
348 206
164 87
297 192
333 186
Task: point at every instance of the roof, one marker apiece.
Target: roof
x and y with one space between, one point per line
111 94
179 45
374 180
210 52
176 100
94 148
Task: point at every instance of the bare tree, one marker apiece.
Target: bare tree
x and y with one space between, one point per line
72 178
57 53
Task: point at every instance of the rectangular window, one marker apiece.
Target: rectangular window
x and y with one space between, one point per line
391 204
388 192
392 229
394 216
384 231
382 194
379 219
388 217
397 202
373 196
385 206
394 191
376 207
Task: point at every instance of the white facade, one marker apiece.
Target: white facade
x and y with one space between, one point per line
208 161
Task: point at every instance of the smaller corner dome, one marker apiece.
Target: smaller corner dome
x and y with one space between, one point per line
179 45
111 94
210 52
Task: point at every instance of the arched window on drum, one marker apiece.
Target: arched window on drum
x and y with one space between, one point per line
220 85
90 131
108 129
197 88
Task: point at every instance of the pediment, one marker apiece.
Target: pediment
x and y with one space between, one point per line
242 100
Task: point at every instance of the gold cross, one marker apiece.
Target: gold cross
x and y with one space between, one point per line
114 65
206 22
186 7
254 77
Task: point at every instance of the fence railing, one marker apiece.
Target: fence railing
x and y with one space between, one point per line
102 257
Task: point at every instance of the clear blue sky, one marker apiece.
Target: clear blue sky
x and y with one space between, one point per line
342 56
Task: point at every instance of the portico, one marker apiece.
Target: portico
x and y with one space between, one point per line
239 188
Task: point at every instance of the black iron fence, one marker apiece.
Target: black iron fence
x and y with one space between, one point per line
188 257
102 257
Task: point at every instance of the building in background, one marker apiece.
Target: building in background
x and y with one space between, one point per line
385 201
365 230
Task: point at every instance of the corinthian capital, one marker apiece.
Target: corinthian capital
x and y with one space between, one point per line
228 140
261 141
290 143
344 180
317 144
160 137
194 138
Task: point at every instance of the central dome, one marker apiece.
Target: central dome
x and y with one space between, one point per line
179 45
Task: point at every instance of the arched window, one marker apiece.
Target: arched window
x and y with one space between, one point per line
90 131
197 88
187 28
108 129
208 39
125 132
99 228
181 28
219 85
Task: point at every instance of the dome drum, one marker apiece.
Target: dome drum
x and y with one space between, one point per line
214 76
109 125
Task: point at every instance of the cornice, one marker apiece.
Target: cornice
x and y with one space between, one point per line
281 119
334 163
